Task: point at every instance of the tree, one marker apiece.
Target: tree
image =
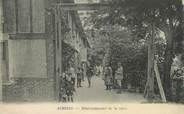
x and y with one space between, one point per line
133 56
138 16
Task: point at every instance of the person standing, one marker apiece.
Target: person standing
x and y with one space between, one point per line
89 74
70 89
62 94
119 77
108 77
79 77
101 70
72 74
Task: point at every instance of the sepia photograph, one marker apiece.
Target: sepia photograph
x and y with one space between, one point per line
69 52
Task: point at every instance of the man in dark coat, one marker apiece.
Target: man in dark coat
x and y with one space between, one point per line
89 74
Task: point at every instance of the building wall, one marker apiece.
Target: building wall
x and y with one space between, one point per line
31 60
27 58
29 89
29 69
72 32
38 12
23 16
9 14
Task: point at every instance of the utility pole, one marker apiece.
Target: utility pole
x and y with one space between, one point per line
150 70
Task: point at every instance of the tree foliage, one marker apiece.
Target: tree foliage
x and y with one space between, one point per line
137 16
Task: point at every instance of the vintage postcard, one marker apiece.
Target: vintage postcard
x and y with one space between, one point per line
91 56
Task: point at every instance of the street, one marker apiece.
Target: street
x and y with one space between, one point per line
97 93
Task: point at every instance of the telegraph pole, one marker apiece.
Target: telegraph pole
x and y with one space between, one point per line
150 68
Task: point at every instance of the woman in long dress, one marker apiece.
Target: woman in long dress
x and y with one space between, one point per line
108 77
89 74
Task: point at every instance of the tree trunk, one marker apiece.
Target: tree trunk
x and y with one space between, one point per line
167 66
167 78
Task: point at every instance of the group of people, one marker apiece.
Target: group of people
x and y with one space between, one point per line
74 77
68 82
67 88
111 81
177 76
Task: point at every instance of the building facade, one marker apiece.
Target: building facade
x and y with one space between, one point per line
32 48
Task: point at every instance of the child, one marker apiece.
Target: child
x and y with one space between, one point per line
79 77
69 90
62 94
108 77
72 74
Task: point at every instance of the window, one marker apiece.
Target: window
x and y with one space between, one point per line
24 16
4 50
4 47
